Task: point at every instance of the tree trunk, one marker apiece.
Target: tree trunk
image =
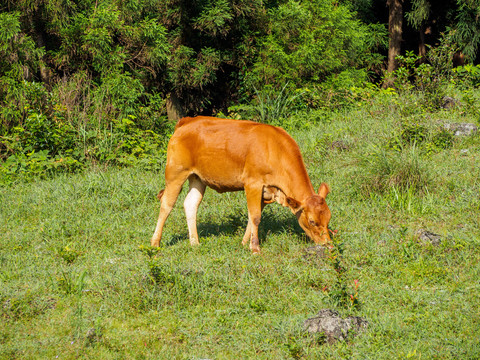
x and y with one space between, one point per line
422 49
40 35
395 22
175 109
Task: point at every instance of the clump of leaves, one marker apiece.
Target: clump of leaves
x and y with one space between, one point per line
294 348
418 135
70 282
132 146
149 251
443 139
41 145
68 254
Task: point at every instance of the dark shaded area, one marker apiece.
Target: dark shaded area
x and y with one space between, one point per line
235 224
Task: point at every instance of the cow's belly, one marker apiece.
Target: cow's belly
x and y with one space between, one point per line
222 187
220 174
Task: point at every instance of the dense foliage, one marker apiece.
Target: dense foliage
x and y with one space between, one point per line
73 73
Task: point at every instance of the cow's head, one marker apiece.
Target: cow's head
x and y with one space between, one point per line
314 215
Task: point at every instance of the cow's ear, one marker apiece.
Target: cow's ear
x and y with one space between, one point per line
323 190
293 204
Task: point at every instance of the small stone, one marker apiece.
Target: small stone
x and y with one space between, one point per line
426 236
340 145
333 326
462 129
91 333
449 102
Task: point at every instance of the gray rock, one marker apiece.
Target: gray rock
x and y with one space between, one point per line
333 326
449 102
462 129
315 252
339 145
428 237
93 335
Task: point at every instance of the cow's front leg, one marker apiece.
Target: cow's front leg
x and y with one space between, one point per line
191 204
248 232
255 206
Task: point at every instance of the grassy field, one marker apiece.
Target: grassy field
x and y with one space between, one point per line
78 279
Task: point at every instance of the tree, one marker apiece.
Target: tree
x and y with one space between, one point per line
210 45
467 28
418 18
306 42
395 23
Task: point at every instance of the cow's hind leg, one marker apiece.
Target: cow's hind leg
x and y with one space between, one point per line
191 203
167 197
255 206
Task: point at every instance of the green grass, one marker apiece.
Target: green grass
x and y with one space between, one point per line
78 280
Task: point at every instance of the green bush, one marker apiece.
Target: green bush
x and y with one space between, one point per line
306 42
383 170
467 75
274 106
430 77
44 145
419 135
410 134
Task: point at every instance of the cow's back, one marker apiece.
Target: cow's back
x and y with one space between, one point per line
226 153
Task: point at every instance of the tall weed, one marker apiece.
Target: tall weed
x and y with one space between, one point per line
383 170
274 106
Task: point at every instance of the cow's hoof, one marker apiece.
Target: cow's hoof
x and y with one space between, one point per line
194 242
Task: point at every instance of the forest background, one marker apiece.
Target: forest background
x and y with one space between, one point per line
104 81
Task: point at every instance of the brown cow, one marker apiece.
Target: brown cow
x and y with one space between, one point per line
232 155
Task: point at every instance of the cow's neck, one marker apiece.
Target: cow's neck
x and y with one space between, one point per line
299 185
301 192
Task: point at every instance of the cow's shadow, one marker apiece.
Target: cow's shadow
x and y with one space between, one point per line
234 225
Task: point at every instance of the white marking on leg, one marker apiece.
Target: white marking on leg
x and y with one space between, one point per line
191 204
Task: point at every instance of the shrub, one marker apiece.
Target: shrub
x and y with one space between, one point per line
431 77
341 90
273 106
125 144
419 135
411 134
467 75
386 169
44 145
